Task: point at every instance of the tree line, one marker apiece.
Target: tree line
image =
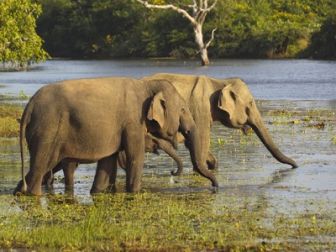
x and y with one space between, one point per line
125 28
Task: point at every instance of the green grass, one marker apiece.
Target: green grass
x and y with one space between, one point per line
154 221
9 114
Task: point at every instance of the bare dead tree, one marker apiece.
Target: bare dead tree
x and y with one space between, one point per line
198 12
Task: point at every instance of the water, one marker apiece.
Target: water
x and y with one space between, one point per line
247 171
267 79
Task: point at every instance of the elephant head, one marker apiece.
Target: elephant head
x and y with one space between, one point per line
236 108
168 114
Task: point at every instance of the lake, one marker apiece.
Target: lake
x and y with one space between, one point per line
267 79
297 99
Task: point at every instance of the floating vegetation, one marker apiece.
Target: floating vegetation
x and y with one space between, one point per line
318 125
333 139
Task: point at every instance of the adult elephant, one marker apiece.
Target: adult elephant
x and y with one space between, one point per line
228 101
94 119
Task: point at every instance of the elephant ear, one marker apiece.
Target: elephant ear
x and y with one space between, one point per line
226 100
230 102
157 109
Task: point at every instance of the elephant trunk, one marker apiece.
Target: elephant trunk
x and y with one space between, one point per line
259 128
198 156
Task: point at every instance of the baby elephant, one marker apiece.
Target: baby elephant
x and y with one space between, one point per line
90 120
152 145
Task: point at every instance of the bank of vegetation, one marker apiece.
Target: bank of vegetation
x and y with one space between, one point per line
245 28
119 28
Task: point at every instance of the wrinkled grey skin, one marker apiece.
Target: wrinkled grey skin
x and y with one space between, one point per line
90 120
152 145
228 101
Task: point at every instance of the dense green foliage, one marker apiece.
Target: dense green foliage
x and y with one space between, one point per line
19 43
245 28
323 42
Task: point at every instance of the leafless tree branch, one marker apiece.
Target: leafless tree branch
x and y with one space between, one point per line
169 6
211 39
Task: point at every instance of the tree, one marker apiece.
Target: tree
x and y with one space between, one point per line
323 42
19 44
199 11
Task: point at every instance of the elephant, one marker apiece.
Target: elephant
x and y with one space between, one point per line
152 145
228 101
90 120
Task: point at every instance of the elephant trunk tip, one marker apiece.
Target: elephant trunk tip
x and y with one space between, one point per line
294 165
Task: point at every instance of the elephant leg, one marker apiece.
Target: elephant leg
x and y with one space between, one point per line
103 173
113 177
122 159
40 164
68 171
134 142
211 161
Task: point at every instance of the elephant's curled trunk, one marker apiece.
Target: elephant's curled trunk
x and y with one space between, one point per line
198 157
262 132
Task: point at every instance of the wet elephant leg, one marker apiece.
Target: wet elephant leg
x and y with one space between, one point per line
68 171
113 177
134 142
42 161
103 172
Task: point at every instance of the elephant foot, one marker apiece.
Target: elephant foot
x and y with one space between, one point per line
95 190
19 190
176 173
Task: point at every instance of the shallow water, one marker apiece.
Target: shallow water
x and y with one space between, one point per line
302 125
246 169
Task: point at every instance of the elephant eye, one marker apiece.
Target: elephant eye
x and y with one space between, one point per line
247 111
233 95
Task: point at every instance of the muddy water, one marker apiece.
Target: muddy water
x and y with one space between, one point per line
247 171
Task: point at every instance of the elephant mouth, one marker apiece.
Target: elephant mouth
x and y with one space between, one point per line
172 139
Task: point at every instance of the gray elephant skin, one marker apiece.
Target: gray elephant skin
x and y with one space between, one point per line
89 120
228 101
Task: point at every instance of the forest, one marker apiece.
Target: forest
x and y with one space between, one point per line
126 29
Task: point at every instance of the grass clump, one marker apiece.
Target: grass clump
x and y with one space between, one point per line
155 221
333 139
9 115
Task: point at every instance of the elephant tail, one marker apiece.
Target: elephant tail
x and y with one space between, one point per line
25 119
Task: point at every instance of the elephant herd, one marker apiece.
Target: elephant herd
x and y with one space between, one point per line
115 121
